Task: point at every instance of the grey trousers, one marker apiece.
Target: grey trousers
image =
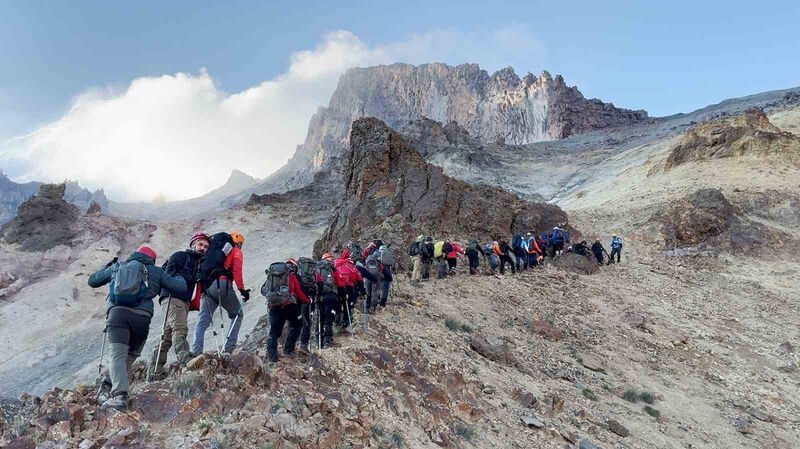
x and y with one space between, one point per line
127 334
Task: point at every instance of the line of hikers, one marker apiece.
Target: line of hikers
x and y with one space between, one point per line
525 251
202 278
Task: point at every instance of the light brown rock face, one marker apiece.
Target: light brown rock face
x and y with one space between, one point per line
393 194
493 108
750 133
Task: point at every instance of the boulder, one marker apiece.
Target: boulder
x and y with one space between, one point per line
576 263
44 221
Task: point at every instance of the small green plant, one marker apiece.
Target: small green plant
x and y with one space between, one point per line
589 394
465 431
268 445
203 424
652 412
634 396
189 386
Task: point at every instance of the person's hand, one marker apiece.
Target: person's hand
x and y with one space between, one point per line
113 261
245 294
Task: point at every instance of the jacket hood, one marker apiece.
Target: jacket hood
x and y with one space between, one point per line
141 257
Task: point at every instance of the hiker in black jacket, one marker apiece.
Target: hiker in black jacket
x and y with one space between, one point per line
473 251
598 250
426 254
505 257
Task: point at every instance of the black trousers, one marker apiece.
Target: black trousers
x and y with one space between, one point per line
128 327
599 256
329 303
474 262
278 317
617 251
305 316
506 259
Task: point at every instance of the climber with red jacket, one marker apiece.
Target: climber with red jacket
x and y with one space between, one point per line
452 256
287 313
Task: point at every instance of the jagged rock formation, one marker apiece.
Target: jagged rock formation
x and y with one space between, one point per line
94 209
44 221
493 108
750 133
13 194
392 193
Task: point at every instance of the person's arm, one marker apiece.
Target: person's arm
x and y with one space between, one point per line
175 284
297 290
236 267
102 277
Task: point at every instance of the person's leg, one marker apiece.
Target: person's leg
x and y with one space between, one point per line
208 306
305 330
619 254
139 330
119 334
426 269
415 273
294 318
330 303
180 331
276 322
233 306
161 352
385 285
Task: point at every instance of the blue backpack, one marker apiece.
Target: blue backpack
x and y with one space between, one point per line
128 283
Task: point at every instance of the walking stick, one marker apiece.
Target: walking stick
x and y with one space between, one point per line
152 369
102 351
318 312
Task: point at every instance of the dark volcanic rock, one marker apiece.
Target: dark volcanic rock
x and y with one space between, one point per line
44 221
577 264
393 194
94 208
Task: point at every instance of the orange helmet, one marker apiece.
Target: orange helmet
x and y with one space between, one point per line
237 238
327 256
291 261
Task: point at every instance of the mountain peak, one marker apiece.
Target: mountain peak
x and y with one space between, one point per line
238 176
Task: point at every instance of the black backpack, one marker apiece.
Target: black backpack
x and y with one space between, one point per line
473 245
426 250
516 243
414 249
447 248
183 264
326 269
276 287
356 253
307 270
212 264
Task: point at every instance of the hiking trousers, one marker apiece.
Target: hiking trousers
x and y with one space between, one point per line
373 294
442 273
305 332
493 261
327 307
522 261
474 262
417 271
599 256
506 259
426 268
220 292
175 332
278 317
127 334
617 251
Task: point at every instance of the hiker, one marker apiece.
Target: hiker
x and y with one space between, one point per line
370 271
386 256
415 251
473 251
452 256
129 308
307 272
372 247
505 257
534 252
557 242
598 250
284 292
328 281
356 253
438 254
220 269
349 276
491 257
544 244
519 247
426 257
177 306
581 248
616 248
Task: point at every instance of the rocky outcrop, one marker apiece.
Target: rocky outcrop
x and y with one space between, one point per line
94 209
748 134
13 194
393 194
493 108
44 221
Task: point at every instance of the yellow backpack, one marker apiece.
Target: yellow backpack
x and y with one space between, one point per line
437 248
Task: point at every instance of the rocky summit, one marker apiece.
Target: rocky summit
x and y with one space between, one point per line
499 107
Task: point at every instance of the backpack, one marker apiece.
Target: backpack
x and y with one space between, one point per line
516 242
212 264
437 248
488 249
356 253
387 257
307 270
447 248
373 265
414 249
276 287
129 283
426 250
325 268
473 245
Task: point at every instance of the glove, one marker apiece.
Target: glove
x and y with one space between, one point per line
113 261
245 294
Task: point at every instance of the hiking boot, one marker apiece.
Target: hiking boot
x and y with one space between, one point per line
118 402
303 351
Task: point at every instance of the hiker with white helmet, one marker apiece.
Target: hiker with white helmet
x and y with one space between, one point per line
616 248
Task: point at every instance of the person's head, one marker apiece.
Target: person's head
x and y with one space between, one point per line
327 256
382 248
555 228
238 239
292 264
583 242
147 251
613 236
199 242
597 240
528 234
428 239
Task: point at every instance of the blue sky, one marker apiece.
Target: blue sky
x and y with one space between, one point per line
666 57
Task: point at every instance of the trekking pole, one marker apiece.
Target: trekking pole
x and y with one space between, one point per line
234 323
347 309
102 351
152 369
318 313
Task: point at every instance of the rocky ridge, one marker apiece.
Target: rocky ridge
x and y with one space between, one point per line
392 193
13 194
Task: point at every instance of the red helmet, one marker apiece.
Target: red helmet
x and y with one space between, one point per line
291 261
199 236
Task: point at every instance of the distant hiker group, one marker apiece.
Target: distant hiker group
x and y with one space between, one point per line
526 251
303 293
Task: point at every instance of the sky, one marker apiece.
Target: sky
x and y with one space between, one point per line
163 99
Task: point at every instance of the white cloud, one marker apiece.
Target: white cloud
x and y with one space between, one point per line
180 136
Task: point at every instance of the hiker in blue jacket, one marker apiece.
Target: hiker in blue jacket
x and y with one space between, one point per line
557 239
616 247
129 308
